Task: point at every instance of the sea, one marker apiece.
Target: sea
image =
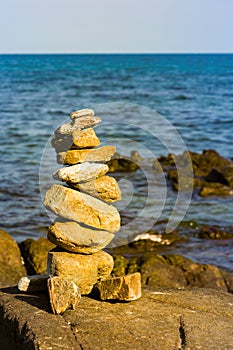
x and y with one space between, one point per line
154 104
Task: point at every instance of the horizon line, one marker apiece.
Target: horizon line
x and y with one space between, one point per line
122 53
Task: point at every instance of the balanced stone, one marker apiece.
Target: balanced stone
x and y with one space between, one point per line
121 288
82 113
77 124
63 294
83 270
75 238
62 144
104 187
33 283
81 172
101 154
85 138
82 208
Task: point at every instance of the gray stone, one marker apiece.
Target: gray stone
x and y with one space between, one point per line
76 124
81 207
73 237
63 294
81 172
34 283
82 113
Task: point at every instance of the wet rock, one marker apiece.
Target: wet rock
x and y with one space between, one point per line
214 232
83 270
215 189
82 113
121 288
122 164
34 283
216 176
11 262
82 208
120 265
101 154
81 172
105 188
73 237
76 124
63 294
35 255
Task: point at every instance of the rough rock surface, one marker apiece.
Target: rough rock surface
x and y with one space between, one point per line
77 124
82 208
78 239
63 294
121 288
35 255
104 187
11 262
34 283
83 270
100 154
85 138
161 319
82 113
80 172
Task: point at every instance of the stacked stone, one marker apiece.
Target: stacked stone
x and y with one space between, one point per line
85 223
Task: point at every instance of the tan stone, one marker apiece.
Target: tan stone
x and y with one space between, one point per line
76 124
104 187
81 172
63 294
75 238
33 283
101 154
82 208
83 270
121 288
85 138
82 113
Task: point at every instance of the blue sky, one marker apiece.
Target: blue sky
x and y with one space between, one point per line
102 26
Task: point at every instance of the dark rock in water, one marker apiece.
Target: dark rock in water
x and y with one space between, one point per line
35 255
214 232
124 164
216 176
215 189
11 262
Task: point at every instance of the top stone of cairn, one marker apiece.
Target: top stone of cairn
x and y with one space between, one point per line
82 113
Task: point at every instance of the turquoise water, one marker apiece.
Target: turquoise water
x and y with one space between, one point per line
37 93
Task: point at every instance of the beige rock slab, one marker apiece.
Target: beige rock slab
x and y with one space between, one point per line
83 270
121 288
63 294
76 124
81 207
101 154
104 187
81 172
33 283
82 113
73 237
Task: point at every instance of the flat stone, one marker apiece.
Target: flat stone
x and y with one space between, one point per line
82 113
121 288
63 294
83 270
85 138
81 207
33 283
73 237
11 262
101 154
81 172
104 187
62 144
76 124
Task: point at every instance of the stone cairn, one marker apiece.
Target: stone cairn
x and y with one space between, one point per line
85 223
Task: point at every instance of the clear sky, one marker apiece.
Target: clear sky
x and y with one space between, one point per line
102 26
